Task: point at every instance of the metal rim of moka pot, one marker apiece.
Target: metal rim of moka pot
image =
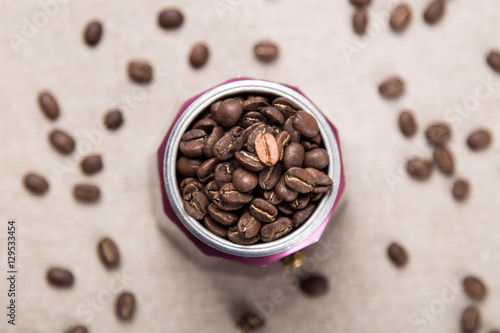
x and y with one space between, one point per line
202 103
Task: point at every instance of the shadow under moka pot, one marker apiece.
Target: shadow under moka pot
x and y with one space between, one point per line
262 252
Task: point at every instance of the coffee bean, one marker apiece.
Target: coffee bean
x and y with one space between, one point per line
234 236
282 141
77 329
407 123
62 141
322 182
170 18
113 119
391 87
360 3
273 115
479 140
260 129
36 183
269 177
317 158
214 228
222 217
301 216
195 204
316 196
125 306
434 11
314 285
228 113
206 124
199 55
397 254
285 106
263 210
213 137
266 148
91 164
206 171
305 123
266 51
299 179
60 277
285 209
108 252
140 71
211 190
400 17
249 161
444 160
188 167
228 193
223 173
294 155
48 105
248 226
276 230
228 144
493 60
418 168
360 21
475 288
253 117
438 133
192 186
301 202
86 192
193 143
461 190
93 33
471 320
283 191
272 197
250 321
244 180
255 103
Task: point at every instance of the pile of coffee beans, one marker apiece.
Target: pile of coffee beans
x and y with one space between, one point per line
252 168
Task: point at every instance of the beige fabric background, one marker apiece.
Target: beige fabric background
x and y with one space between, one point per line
177 288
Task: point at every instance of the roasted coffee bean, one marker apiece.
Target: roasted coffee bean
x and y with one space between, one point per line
228 193
418 168
60 277
77 329
249 161
397 254
188 167
479 140
206 124
86 192
471 320
192 187
444 160
301 202
316 196
91 164
407 123
283 191
263 210
360 3
400 17
294 155
285 209
93 33
214 228
250 130
438 133
300 216
434 11
244 180
211 189
229 143
266 51
292 132
250 321
285 106
185 182
229 113
48 105
36 183
255 103
108 252
253 117
222 217
299 179
260 129
360 21
223 173
140 71
195 204
213 137
125 306
305 123
272 197
314 285
275 230
391 87
170 18
234 236
282 141
308 145
493 60
206 170
266 148
475 288
199 55
273 115
317 158
461 190
113 119
62 141
269 176
322 182
193 142
248 226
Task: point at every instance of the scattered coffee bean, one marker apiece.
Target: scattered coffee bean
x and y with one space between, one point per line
471 320
475 288
479 140
113 119
444 160
407 123
434 11
400 17
276 230
438 133
60 277
493 60
36 183
108 252
93 33
77 329
314 285
397 254
418 168
360 21
62 141
199 55
48 105
125 306
250 321
170 18
91 164
266 51
360 3
391 87
86 192
461 190
140 71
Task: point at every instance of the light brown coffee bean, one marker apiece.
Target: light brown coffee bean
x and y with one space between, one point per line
493 60
62 141
140 71
91 164
125 306
471 320
400 17
391 87
444 160
199 55
266 51
108 252
266 148
418 168
475 288
36 183
479 139
461 190
407 123
48 104
60 277
397 254
360 21
86 192
438 133
93 33
434 11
